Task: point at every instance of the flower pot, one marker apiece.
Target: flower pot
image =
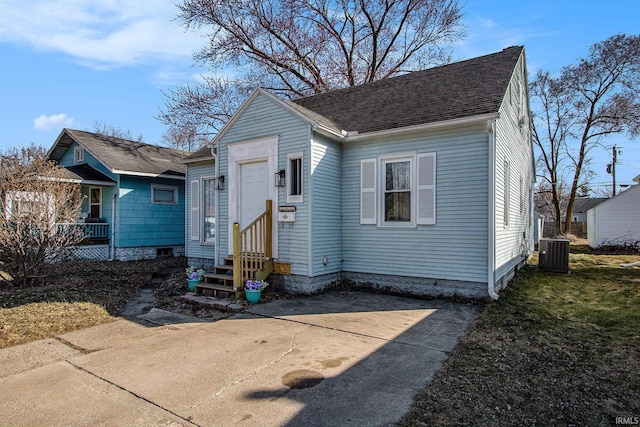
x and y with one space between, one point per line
252 296
192 283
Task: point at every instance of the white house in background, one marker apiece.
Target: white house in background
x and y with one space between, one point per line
420 184
616 222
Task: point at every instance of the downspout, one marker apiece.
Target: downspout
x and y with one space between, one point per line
491 127
216 200
112 249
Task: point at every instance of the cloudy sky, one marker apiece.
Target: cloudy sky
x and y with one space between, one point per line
70 63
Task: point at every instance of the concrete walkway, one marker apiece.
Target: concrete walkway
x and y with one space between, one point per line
337 359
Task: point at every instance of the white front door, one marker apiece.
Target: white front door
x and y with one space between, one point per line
254 191
252 166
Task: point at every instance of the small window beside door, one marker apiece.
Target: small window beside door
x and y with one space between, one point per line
294 178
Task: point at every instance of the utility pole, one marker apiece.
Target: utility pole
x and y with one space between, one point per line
611 167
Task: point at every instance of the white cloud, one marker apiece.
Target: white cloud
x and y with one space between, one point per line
109 33
54 122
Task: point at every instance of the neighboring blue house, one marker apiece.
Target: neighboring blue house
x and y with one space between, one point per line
420 184
133 195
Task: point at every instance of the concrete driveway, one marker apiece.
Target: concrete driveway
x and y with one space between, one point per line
337 359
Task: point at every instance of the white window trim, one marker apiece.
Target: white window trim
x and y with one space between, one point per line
204 240
99 204
297 198
78 155
382 161
172 188
195 209
376 188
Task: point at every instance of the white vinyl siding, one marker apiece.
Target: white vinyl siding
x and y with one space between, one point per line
514 234
615 221
195 210
507 193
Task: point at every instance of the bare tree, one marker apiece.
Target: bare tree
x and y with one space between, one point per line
182 138
37 208
114 131
576 111
297 48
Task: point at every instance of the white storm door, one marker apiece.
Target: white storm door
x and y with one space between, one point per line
254 191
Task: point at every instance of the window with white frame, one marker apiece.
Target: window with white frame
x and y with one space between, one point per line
209 209
95 202
78 154
164 194
195 209
294 178
398 190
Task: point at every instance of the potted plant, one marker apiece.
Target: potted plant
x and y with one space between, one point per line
253 290
193 277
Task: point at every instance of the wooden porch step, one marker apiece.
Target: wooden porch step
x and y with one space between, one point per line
223 268
217 276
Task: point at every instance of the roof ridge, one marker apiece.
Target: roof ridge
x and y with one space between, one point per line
110 137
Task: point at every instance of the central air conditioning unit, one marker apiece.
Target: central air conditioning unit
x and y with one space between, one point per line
553 255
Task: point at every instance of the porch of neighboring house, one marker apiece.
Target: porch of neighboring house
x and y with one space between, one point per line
94 222
251 258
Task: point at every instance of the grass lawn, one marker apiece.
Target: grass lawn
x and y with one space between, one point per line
554 350
72 296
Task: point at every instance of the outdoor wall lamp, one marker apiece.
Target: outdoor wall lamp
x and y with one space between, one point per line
280 179
220 183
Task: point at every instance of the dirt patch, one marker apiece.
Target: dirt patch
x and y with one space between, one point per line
78 295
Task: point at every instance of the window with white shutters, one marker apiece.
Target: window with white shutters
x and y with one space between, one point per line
402 194
368 191
426 188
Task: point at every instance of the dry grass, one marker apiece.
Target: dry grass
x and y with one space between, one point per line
554 350
72 296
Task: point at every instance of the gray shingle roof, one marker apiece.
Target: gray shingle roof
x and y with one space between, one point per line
203 152
462 89
121 155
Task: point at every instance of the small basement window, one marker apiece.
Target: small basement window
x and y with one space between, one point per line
164 252
164 194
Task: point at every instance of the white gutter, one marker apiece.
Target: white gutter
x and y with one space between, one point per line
353 136
491 127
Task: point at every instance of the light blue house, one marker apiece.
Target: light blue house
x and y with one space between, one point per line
133 195
419 184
